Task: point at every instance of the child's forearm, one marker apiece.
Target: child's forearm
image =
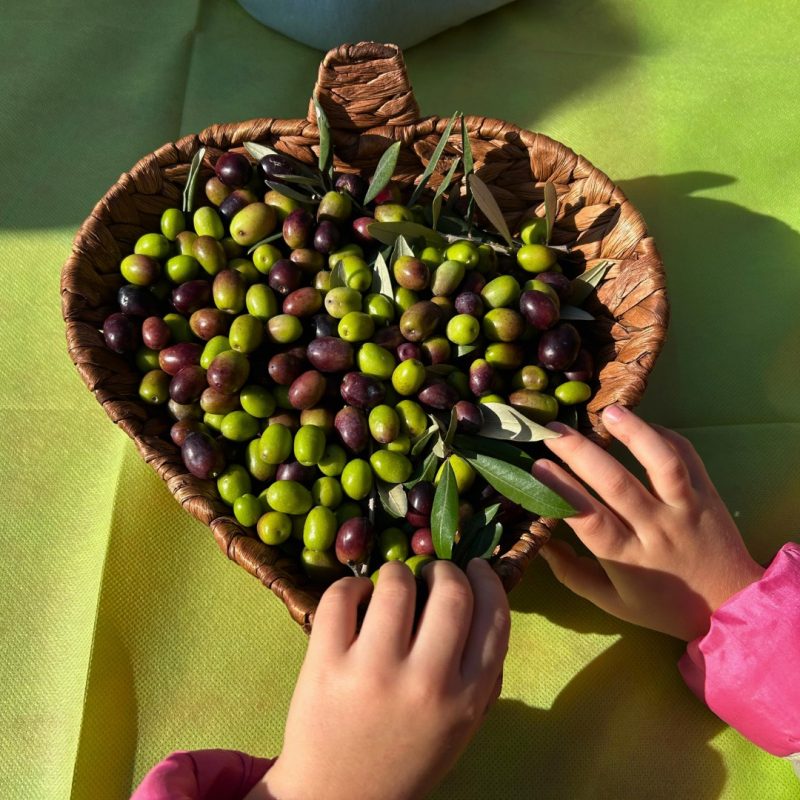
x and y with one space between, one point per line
745 668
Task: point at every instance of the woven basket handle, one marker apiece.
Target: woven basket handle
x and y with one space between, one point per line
363 86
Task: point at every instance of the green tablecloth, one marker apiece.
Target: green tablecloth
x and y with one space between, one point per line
126 634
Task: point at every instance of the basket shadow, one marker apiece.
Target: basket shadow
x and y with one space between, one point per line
618 721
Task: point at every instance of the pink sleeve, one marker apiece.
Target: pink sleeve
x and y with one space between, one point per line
202 775
746 667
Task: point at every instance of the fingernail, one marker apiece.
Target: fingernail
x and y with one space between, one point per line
558 427
615 413
541 467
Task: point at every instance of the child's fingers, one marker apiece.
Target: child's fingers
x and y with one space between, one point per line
594 524
582 575
602 472
694 464
336 616
487 642
389 621
446 619
667 470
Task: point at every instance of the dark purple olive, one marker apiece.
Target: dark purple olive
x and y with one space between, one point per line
469 303
560 283
558 347
183 427
538 309
155 333
351 425
136 301
298 351
473 282
206 323
233 169
309 260
191 296
185 410
417 520
307 389
285 368
228 372
120 333
361 229
330 354
353 184
408 350
273 165
297 228
188 384
422 542
235 202
174 358
295 471
325 325
326 237
202 456
285 277
420 497
582 368
439 395
389 337
469 418
354 540
362 391
303 302
481 377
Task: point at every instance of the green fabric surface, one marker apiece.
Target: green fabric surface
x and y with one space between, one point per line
127 634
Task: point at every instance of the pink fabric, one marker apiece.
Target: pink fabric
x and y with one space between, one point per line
746 667
203 775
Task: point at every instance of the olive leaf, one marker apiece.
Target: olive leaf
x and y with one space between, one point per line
573 312
584 285
451 428
505 422
383 172
438 448
191 180
480 544
381 278
466 149
393 499
287 191
337 276
441 189
550 208
444 514
303 180
481 518
486 203
434 160
424 472
440 369
387 233
325 152
423 439
451 224
521 487
258 151
469 446
269 239
465 349
401 248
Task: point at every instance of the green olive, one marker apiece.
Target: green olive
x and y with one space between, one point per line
257 401
154 245
274 527
247 509
341 301
179 328
375 361
246 333
319 529
333 460
502 292
284 328
154 387
384 424
264 256
239 426
357 479
356 326
463 471
309 445
233 483
408 376
256 466
261 302
321 565
172 223
465 252
390 467
348 510
276 444
380 308
413 420
206 222
393 545
146 359
534 231
214 346
463 329
327 491
417 563
181 268
571 393
535 257
289 497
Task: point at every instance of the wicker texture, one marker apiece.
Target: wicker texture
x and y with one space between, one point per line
365 92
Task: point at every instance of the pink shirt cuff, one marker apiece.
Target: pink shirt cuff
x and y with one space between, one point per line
746 667
203 775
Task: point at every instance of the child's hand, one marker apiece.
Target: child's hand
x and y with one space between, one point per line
668 556
384 713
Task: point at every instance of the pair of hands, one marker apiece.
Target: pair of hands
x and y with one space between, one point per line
386 711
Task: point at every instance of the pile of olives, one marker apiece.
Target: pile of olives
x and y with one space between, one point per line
257 323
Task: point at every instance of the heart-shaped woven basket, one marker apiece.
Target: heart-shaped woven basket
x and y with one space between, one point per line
365 92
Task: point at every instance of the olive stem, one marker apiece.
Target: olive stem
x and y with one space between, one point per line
451 238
